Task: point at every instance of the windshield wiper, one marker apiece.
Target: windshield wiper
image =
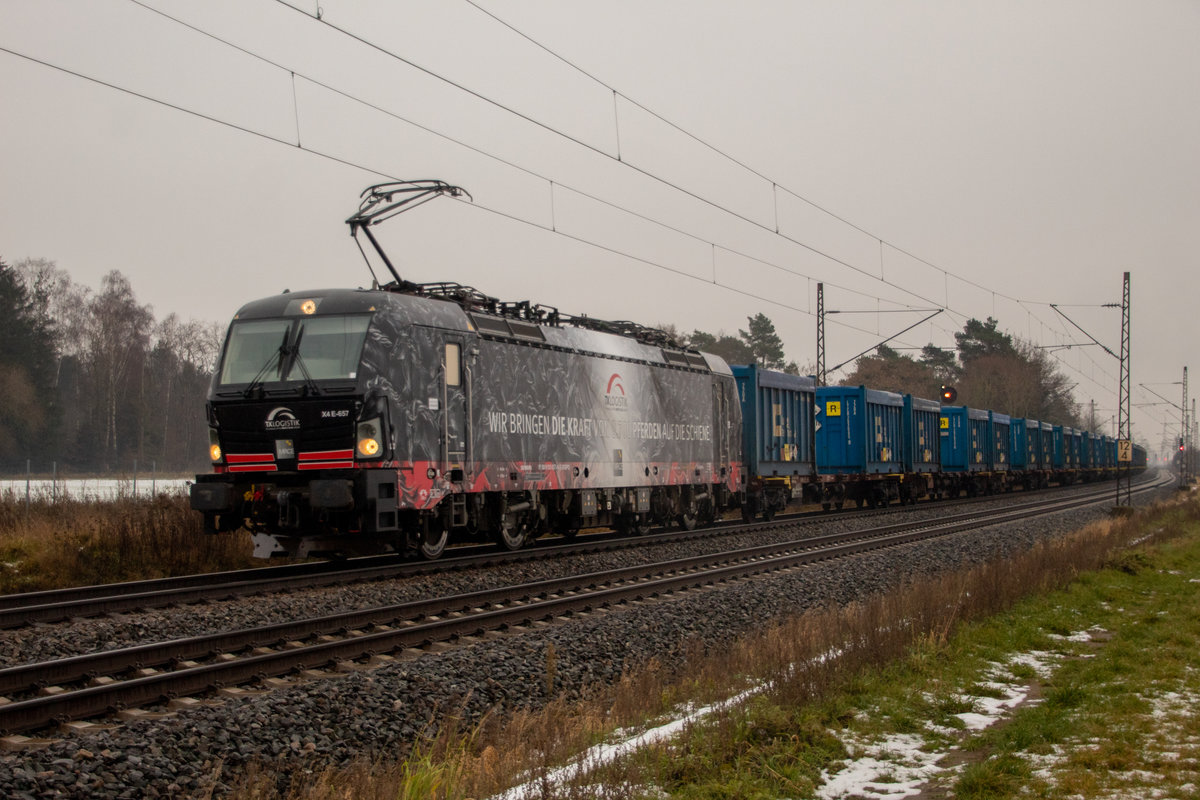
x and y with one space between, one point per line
275 359
309 384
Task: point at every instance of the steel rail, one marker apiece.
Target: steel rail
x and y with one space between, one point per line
57 605
23 678
454 617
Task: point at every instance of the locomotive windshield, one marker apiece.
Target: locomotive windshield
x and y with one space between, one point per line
316 348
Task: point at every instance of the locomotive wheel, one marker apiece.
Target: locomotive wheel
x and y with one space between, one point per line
511 538
687 521
826 506
433 541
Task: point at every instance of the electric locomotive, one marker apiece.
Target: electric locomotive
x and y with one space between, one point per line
404 417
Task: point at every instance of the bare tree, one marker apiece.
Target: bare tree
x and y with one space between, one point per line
117 337
179 367
892 372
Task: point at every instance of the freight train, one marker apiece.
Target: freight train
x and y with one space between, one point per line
406 417
837 444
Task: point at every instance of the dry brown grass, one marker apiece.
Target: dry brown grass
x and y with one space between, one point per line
61 542
802 660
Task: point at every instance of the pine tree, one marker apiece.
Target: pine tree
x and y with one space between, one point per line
26 370
764 342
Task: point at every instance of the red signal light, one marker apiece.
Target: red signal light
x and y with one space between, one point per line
949 394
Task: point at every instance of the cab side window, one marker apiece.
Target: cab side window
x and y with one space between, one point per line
453 364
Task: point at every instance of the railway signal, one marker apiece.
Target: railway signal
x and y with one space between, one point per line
949 394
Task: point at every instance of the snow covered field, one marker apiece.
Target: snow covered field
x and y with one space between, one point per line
90 488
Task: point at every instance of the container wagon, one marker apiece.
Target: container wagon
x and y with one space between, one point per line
777 433
859 445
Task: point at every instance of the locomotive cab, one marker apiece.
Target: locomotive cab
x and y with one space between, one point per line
304 433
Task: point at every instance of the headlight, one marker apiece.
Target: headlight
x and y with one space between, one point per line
370 438
214 445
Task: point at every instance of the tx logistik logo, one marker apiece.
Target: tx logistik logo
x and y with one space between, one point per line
614 394
281 419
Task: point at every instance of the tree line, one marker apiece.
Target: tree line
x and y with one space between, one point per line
758 344
988 368
90 379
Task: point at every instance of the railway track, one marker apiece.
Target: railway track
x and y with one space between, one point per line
99 684
58 605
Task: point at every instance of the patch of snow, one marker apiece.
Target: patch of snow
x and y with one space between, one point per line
607 753
861 778
895 767
1080 636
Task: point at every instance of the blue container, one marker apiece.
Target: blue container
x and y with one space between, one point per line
1060 453
1046 447
999 455
922 446
777 421
859 431
1019 445
1075 451
966 439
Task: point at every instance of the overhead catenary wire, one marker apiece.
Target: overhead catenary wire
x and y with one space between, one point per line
776 186
954 312
616 93
630 165
378 173
498 159
373 171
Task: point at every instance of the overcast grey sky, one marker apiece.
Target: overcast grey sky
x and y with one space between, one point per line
986 157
